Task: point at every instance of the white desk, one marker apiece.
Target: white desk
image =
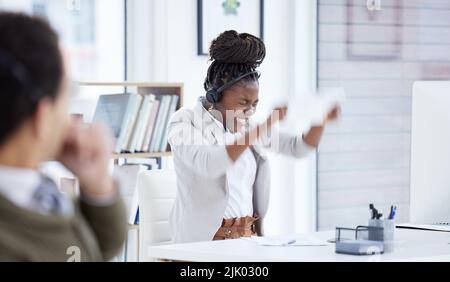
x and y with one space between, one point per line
410 245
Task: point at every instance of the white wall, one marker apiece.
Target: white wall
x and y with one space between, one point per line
288 70
175 46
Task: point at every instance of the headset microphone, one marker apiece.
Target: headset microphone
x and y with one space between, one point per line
215 95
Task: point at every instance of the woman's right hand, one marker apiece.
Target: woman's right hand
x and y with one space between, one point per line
235 150
278 114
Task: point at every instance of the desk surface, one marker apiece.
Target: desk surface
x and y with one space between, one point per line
410 245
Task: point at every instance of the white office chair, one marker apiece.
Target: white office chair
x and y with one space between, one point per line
157 190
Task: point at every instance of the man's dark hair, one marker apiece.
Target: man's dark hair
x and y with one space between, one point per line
31 68
233 55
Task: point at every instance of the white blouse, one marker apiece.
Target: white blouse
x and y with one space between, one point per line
241 177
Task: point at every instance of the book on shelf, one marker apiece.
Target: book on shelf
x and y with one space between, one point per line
131 127
172 108
141 122
157 132
138 122
112 111
150 126
144 123
127 176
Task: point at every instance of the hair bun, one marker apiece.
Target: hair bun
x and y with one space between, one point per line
232 47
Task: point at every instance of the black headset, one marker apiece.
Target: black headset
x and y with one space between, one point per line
215 95
12 67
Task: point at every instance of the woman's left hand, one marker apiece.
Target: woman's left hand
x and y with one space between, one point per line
314 135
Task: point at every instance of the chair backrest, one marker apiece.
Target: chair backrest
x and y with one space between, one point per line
157 190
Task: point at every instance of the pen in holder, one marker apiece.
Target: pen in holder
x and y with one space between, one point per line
385 235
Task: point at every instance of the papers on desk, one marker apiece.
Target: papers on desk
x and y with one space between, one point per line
430 227
286 241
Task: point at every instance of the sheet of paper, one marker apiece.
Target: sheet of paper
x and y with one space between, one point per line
309 241
287 241
312 109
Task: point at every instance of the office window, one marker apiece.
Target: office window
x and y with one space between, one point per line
91 31
376 56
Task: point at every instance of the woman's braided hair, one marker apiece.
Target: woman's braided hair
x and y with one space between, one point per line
233 55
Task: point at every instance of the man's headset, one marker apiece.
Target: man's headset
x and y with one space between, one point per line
9 66
215 95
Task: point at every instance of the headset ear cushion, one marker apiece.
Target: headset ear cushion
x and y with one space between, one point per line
211 96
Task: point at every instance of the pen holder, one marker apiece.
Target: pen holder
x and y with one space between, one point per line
385 235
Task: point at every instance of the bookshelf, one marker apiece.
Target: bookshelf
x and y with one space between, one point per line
142 88
92 89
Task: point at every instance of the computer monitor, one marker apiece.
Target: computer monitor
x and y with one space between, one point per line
430 153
